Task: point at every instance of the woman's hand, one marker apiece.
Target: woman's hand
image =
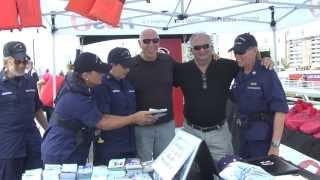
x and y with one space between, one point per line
143 118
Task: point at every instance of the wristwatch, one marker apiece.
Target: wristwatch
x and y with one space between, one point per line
275 144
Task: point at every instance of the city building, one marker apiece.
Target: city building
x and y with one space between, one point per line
303 53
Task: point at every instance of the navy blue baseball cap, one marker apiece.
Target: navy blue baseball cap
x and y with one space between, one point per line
120 56
15 49
243 42
224 161
87 62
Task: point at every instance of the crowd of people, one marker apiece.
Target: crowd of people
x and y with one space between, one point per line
107 104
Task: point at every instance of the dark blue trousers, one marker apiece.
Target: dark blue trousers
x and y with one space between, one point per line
12 169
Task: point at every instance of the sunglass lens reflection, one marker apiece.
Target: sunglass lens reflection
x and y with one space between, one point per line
148 41
199 47
17 62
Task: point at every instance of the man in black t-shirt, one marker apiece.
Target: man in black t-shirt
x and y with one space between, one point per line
152 78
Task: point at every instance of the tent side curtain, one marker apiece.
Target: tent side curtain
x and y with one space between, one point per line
85 40
20 14
108 11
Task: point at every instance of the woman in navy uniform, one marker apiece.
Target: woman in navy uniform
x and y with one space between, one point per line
19 103
261 102
116 96
76 115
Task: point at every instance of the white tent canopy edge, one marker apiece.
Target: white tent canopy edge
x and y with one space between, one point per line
186 17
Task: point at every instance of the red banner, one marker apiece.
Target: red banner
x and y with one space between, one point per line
108 11
30 13
8 15
81 7
20 13
173 48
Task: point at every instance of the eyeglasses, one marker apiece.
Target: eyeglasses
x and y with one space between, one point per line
199 47
148 41
18 62
204 81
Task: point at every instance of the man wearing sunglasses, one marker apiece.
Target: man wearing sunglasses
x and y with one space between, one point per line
205 83
19 103
152 77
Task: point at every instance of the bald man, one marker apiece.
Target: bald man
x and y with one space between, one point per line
152 78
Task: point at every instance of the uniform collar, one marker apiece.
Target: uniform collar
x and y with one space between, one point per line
255 69
109 77
75 85
3 76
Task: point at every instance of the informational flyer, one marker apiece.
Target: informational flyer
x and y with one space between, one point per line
175 156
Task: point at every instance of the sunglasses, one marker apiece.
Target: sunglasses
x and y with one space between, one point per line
199 47
148 41
18 62
239 52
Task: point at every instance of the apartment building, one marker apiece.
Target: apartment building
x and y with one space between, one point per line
303 53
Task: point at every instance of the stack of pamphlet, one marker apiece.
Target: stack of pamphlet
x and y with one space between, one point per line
34 174
84 172
147 166
133 166
69 172
116 168
51 171
99 173
158 113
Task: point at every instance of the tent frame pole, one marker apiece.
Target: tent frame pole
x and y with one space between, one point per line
273 25
53 34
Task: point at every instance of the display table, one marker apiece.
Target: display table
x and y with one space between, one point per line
281 166
303 143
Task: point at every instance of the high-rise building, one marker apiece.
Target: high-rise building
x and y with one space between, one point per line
303 53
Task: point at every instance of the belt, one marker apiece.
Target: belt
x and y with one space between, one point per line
205 129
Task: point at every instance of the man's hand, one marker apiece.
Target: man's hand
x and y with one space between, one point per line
42 120
274 151
143 118
215 56
267 63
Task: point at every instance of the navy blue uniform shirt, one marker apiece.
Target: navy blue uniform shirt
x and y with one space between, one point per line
19 101
259 91
116 97
75 106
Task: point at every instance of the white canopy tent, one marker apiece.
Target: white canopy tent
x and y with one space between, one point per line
188 16
185 17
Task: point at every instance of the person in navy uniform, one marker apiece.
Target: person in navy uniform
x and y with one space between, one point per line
116 96
76 115
19 103
261 101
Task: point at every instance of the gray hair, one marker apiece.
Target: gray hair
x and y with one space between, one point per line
195 35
